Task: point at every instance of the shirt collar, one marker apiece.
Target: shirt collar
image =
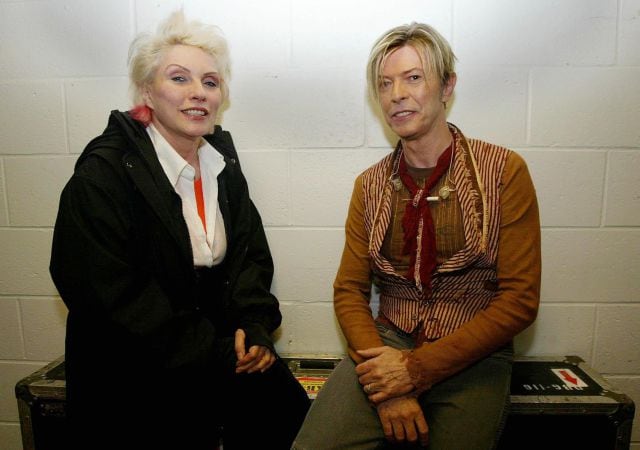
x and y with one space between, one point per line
175 166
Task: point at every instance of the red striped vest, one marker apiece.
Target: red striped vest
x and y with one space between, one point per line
465 283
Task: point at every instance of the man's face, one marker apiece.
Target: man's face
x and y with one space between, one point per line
411 100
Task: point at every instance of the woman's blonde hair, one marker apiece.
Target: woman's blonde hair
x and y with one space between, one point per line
146 50
434 50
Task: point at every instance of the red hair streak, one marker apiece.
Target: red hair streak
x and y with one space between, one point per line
142 113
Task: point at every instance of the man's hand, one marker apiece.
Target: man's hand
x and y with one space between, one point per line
384 374
403 421
258 358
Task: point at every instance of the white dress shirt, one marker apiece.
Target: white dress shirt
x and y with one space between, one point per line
208 247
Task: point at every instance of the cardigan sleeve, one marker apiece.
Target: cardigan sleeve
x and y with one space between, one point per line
516 302
352 286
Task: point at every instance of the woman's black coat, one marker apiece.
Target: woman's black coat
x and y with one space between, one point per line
122 262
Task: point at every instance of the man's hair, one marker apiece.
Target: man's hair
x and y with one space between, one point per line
147 49
433 49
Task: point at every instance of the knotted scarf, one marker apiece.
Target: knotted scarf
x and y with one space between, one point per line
417 223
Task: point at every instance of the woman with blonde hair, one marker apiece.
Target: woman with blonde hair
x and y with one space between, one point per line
162 260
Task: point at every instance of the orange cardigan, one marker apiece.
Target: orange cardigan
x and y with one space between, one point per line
502 230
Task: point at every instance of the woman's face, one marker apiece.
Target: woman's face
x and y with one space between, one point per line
184 95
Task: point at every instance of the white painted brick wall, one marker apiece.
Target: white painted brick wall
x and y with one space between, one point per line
569 201
88 101
33 188
559 330
557 81
33 120
4 219
622 202
595 106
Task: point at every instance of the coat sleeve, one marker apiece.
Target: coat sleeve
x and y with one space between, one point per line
255 308
105 282
516 302
252 306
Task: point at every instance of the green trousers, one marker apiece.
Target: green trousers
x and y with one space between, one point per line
465 412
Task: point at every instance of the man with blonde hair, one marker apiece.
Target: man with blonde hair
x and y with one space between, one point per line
447 228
